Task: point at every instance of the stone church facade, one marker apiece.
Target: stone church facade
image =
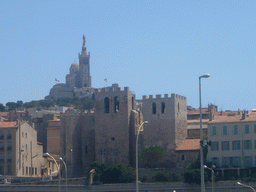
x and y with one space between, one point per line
108 132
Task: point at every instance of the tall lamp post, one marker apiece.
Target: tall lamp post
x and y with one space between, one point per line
47 154
137 175
201 134
246 186
212 175
66 173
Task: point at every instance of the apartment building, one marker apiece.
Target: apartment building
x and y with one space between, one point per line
233 139
20 153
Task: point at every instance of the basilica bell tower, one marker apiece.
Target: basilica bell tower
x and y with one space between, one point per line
84 78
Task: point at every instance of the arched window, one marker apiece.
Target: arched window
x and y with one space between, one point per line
163 107
116 104
182 157
106 105
154 108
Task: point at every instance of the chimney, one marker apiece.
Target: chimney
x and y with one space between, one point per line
244 115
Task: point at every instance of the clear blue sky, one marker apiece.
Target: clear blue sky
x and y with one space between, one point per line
152 46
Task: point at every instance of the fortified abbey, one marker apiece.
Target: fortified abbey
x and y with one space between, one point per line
108 132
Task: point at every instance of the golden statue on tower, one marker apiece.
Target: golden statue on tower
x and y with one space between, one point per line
84 40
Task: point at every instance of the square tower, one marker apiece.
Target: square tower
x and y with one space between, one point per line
167 121
113 108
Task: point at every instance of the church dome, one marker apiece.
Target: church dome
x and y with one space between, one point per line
74 68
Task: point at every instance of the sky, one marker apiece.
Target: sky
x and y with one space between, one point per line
151 46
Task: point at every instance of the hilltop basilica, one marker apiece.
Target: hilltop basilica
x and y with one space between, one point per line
108 132
78 81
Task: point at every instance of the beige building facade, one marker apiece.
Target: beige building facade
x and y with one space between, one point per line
20 153
233 139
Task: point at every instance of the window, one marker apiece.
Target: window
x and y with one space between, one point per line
154 108
2 170
1 146
215 161
215 146
9 157
29 170
163 107
182 157
247 161
23 170
236 161
235 145
9 134
1 135
247 144
22 134
235 129
106 105
225 145
35 171
9 146
9 169
26 135
225 162
225 130
26 170
86 150
247 129
1 157
214 131
116 104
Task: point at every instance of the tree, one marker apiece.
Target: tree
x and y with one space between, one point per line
112 173
153 155
2 108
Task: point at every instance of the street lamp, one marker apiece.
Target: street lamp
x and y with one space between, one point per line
47 154
212 174
66 173
201 134
246 186
137 175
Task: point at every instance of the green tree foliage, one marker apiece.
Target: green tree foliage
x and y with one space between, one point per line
2 108
40 103
161 176
193 173
153 155
83 103
12 105
112 173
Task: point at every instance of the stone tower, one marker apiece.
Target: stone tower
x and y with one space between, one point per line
167 121
116 122
84 78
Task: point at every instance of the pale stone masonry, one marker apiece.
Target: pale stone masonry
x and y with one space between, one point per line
167 117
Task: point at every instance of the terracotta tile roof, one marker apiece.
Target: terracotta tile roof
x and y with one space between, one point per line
233 116
56 157
8 124
189 144
4 114
197 111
